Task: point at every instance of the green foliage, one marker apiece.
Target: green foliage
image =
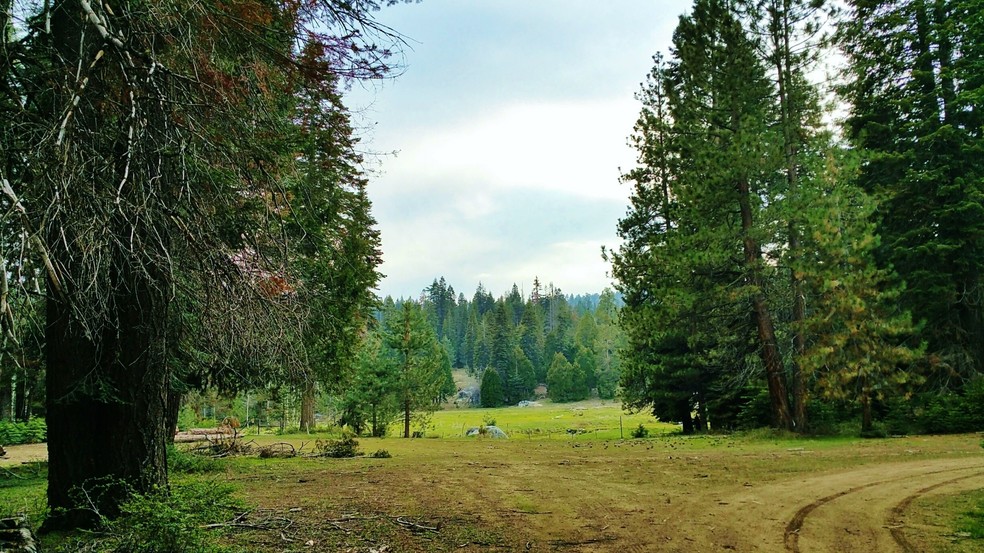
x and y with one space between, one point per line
346 446
640 432
380 454
183 462
16 432
164 522
938 413
492 394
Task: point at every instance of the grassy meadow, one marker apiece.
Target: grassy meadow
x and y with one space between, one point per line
583 420
543 489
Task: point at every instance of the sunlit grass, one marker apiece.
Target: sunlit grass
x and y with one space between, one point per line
583 420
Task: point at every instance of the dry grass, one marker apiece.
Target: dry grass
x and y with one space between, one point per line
543 495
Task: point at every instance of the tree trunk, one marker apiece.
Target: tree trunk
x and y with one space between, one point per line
105 410
688 423
866 418
171 415
406 418
308 397
768 345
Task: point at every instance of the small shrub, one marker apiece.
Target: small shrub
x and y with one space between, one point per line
877 431
165 523
640 432
488 420
347 446
381 454
188 463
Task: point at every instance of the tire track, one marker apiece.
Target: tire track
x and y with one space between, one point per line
791 536
895 524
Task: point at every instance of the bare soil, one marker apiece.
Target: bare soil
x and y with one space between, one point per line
17 454
667 494
675 495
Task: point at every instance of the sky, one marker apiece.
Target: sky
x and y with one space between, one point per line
502 140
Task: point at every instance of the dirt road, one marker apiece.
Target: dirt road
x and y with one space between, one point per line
17 454
853 510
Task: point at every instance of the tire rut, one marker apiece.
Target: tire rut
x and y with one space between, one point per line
792 531
895 523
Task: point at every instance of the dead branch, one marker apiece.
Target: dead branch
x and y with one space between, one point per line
413 525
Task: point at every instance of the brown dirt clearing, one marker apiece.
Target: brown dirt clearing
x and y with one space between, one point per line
669 494
17 454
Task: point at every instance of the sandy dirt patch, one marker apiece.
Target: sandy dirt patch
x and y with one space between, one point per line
17 454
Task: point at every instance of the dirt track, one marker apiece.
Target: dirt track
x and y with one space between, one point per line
853 510
17 454
640 497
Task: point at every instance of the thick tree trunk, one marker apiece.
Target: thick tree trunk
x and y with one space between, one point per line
307 406
106 411
768 345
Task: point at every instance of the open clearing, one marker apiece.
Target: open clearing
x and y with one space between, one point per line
558 491
664 494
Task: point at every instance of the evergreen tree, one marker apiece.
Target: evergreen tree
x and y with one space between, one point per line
915 96
531 339
609 341
492 394
861 345
501 346
371 396
149 164
564 382
419 360
693 271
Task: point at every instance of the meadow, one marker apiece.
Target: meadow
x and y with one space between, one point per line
547 489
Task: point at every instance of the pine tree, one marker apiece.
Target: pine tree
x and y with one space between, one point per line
862 347
915 95
491 392
693 269
419 360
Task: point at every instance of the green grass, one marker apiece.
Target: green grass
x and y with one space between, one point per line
583 420
22 490
972 522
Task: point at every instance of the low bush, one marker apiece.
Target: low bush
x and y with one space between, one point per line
640 432
188 463
15 432
164 523
347 446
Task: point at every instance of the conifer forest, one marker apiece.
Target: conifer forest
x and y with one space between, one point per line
188 238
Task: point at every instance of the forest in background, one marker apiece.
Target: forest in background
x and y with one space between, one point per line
186 215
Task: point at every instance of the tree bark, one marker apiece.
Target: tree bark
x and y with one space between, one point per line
171 415
768 345
105 410
406 418
308 397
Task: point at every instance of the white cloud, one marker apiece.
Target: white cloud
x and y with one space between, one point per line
573 148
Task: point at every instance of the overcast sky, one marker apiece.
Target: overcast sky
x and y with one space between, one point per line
510 121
